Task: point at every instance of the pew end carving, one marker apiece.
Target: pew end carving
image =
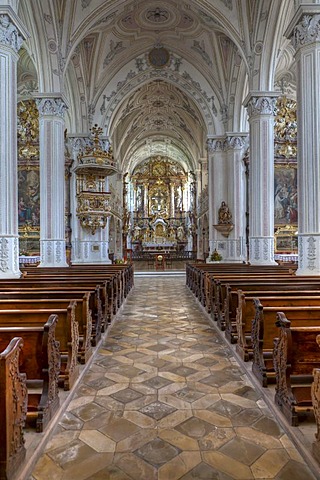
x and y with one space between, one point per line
13 408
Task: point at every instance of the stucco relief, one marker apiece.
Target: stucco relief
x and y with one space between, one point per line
9 34
307 31
51 106
261 106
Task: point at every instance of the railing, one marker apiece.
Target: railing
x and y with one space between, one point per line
174 255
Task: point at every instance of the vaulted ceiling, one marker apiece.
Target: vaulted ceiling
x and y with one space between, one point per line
160 77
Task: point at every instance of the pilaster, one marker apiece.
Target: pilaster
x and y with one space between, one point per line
217 187
236 143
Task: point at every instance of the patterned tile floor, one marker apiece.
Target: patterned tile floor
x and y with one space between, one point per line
165 399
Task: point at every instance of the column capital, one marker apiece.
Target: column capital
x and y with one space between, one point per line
236 141
77 143
304 26
216 144
51 105
261 103
12 32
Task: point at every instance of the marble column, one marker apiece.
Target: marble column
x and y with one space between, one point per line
217 189
235 146
261 108
304 31
12 35
52 185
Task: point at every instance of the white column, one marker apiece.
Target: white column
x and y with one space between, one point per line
236 200
11 38
261 107
305 32
52 183
203 172
217 190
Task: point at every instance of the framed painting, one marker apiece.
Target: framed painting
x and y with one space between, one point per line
29 196
286 240
285 194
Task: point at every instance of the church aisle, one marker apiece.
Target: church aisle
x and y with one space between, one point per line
165 399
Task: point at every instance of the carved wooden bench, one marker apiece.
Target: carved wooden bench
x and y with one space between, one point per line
67 333
90 296
296 354
248 272
239 331
13 410
264 331
45 283
40 361
226 309
64 280
315 395
34 300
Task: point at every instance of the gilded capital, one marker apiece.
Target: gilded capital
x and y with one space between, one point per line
9 34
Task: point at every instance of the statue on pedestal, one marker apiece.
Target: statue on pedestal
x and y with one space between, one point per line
224 214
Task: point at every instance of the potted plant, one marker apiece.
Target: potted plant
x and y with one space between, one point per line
215 256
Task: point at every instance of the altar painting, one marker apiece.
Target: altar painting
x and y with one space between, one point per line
29 197
285 195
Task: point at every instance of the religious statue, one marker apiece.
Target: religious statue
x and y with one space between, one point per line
136 232
224 214
180 233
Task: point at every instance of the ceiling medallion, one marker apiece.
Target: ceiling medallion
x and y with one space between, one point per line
157 15
159 57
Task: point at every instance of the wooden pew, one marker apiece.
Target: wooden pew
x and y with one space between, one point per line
35 300
119 278
51 283
222 286
199 275
239 332
40 361
68 292
264 331
315 395
71 281
67 333
13 410
296 354
226 310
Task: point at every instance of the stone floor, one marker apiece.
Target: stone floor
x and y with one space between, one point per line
164 398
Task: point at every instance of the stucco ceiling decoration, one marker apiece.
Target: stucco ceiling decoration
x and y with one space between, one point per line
157 17
212 51
158 145
160 108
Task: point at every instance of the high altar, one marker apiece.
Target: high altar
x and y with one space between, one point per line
161 207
